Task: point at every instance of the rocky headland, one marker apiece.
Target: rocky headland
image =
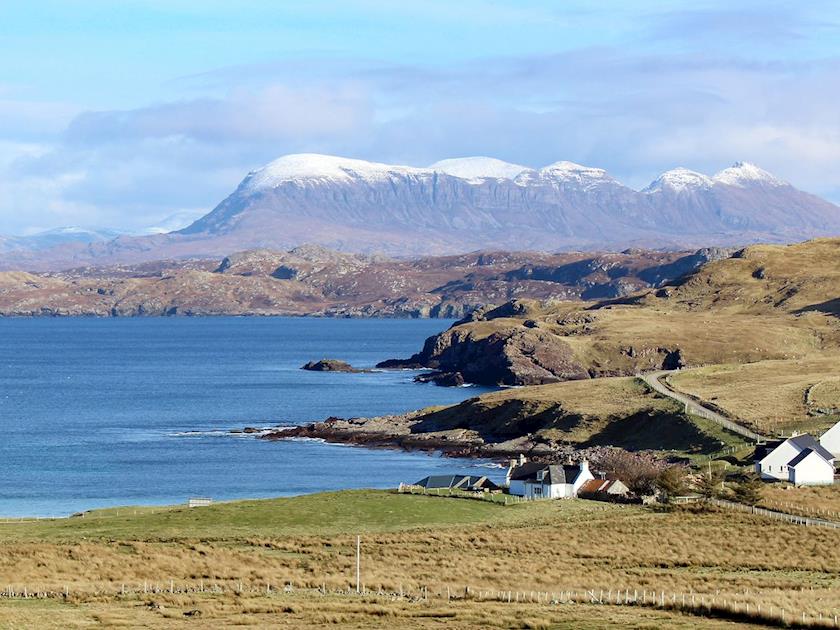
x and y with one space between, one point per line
764 302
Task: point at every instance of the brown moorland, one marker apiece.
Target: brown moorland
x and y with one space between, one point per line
765 302
410 543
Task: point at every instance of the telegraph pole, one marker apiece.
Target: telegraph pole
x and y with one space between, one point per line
358 564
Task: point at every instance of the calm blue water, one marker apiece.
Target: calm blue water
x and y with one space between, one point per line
103 412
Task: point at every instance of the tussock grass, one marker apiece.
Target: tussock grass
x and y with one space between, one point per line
821 501
546 546
770 395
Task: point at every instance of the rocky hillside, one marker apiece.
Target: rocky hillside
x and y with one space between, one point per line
545 422
311 280
765 302
469 204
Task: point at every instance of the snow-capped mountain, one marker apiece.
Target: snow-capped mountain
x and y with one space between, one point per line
472 203
480 202
475 169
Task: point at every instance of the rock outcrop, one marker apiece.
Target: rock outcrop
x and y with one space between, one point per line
517 356
331 365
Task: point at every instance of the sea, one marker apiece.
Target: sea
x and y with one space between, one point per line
143 411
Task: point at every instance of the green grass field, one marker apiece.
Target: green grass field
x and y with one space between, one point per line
320 514
411 542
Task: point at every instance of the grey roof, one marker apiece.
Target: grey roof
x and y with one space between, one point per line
553 473
806 441
433 482
763 450
802 455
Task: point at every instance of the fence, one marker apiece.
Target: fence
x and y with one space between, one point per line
493 497
699 410
729 450
782 516
801 510
694 407
729 607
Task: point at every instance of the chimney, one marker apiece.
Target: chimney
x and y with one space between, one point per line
522 459
511 465
584 465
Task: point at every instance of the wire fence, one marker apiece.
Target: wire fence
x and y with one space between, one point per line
801 510
723 606
782 516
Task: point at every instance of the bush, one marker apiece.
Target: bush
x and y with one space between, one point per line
748 491
637 470
710 484
672 482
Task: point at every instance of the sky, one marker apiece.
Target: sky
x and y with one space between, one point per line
141 113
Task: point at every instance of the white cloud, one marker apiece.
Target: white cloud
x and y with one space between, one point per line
634 112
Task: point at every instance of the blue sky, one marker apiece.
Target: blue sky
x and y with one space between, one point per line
124 114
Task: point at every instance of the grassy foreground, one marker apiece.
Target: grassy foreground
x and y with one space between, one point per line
411 544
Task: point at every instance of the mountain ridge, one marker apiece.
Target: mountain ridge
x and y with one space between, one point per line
358 206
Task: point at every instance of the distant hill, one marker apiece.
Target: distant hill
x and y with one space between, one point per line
312 280
57 237
468 204
764 302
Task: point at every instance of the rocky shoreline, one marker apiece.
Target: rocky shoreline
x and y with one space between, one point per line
402 431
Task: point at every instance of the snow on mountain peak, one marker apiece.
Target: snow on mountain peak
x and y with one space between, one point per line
570 173
315 167
741 173
478 168
678 180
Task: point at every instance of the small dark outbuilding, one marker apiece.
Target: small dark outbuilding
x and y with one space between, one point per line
467 483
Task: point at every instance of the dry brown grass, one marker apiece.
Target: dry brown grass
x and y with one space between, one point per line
789 278
769 395
616 411
823 501
771 303
308 611
603 397
547 547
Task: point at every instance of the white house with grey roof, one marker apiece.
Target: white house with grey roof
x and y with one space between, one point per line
830 440
547 481
801 460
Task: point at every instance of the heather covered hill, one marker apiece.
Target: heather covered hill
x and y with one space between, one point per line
312 280
765 302
799 278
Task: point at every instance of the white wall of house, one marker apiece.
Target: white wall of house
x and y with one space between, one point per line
584 476
775 463
830 440
537 490
618 487
812 471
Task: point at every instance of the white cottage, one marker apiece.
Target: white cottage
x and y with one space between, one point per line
799 459
547 481
830 440
809 468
